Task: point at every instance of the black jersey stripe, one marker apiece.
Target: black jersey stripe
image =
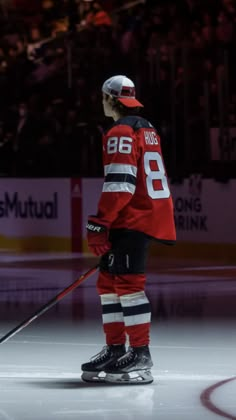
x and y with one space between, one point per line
130 179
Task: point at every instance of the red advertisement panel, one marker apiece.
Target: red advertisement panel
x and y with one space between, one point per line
76 215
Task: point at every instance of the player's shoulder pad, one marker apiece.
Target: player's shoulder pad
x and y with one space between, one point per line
135 122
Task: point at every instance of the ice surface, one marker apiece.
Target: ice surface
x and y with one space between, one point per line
193 344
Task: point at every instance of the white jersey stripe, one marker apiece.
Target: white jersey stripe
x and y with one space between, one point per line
118 187
116 168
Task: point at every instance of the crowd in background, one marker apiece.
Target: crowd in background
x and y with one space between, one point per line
55 54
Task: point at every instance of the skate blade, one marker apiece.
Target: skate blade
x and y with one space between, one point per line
95 377
140 377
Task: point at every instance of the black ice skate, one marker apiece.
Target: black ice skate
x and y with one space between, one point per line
93 371
132 368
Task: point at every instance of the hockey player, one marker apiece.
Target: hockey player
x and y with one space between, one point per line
135 207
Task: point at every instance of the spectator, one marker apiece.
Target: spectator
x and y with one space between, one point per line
144 41
224 29
97 16
27 130
6 151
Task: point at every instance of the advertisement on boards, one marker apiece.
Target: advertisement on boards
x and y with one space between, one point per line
204 209
40 214
51 214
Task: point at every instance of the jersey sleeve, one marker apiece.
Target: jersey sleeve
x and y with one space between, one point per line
120 158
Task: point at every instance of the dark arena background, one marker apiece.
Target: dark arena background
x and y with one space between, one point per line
54 57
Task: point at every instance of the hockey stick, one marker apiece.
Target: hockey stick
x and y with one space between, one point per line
49 304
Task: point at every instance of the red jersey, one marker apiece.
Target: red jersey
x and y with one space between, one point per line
136 192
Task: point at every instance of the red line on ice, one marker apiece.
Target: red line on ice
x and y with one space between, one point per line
206 399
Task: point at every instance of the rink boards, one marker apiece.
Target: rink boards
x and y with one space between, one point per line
50 215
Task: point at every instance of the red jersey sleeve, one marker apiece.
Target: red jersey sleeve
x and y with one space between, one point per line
120 157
